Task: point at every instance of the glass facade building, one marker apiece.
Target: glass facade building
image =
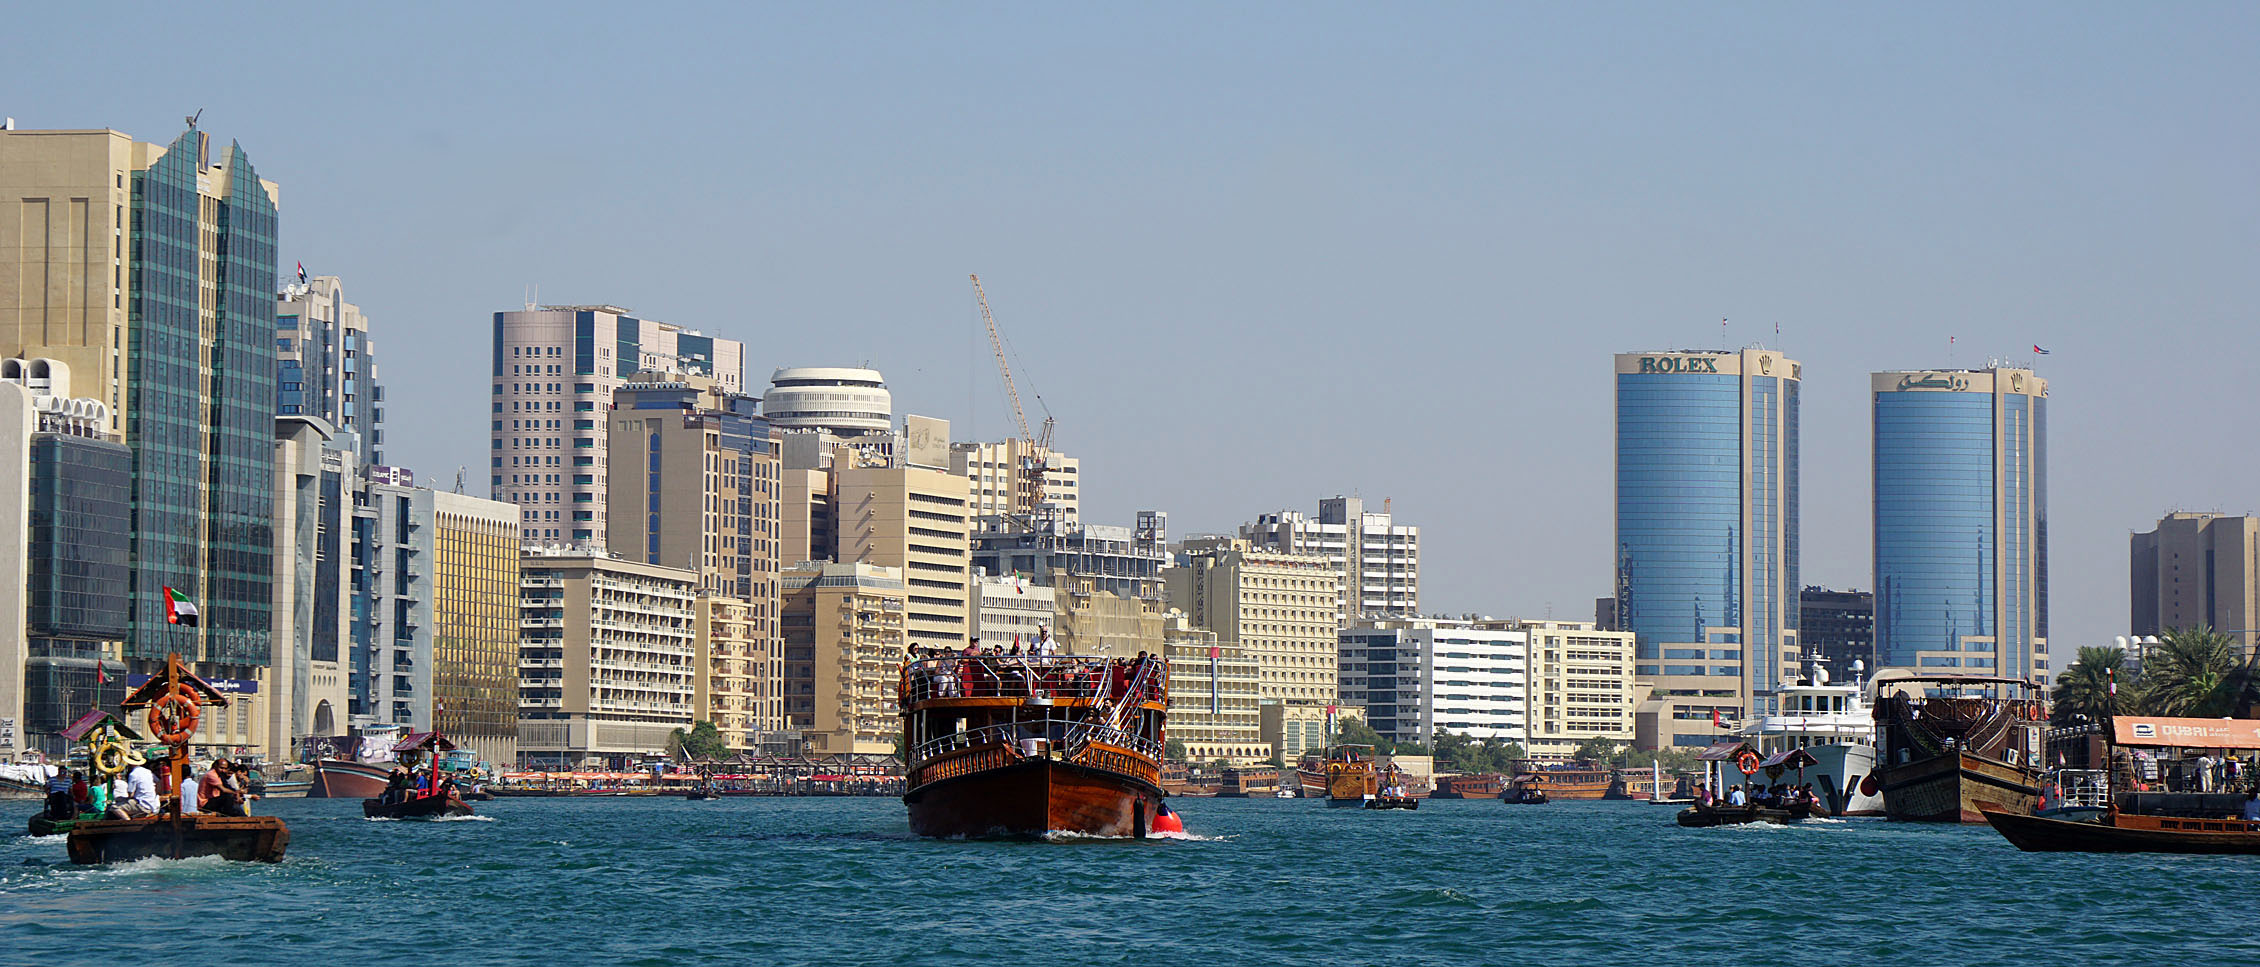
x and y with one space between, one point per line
1706 527
1961 521
475 643
201 380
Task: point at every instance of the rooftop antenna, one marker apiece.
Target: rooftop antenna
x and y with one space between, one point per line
1723 344
458 478
192 119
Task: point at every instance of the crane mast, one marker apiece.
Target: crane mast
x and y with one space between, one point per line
1028 486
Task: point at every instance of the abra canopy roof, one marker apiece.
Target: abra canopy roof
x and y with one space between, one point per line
1790 759
155 688
2192 733
1723 751
87 723
414 741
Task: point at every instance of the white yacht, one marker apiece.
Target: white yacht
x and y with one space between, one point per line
1833 724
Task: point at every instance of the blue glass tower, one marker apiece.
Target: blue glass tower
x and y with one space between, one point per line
1706 529
201 391
1961 521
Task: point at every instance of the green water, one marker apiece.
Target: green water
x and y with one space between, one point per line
758 881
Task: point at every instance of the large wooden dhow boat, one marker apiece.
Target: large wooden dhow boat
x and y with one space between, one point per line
1948 743
1027 746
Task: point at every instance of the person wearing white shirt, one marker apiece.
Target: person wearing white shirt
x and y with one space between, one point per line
1734 797
188 791
140 797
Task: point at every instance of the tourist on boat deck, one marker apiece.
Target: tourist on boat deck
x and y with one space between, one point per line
59 803
395 786
213 793
140 796
1736 797
81 797
191 790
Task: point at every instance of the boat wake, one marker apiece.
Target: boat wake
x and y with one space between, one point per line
429 819
1190 837
56 839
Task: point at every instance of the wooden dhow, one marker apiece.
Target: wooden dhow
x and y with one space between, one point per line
1033 745
1947 743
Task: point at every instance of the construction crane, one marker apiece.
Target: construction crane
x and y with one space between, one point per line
1028 488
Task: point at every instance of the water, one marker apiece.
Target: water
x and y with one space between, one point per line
551 882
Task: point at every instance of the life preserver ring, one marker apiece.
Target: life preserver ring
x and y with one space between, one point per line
173 716
1747 762
114 757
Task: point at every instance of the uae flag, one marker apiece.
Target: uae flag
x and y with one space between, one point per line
179 609
100 677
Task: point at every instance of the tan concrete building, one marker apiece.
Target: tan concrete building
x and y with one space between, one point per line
806 530
64 247
606 657
696 483
1107 578
1011 609
1581 686
913 519
1215 696
475 597
1293 730
1277 606
2196 569
998 480
845 638
1379 559
741 670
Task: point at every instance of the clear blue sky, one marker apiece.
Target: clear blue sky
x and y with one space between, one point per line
1257 255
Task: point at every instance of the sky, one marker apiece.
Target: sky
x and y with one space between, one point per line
1254 255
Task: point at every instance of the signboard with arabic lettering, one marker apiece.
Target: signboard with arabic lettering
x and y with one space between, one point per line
2190 733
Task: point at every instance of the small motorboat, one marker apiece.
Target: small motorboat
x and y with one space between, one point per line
1700 816
696 795
1392 802
1525 791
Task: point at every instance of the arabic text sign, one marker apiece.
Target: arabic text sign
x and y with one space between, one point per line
2193 733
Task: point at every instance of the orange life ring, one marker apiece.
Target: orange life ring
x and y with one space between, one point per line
1747 762
173 716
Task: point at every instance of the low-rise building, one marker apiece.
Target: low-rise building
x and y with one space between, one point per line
1416 677
845 639
1009 609
1215 701
606 657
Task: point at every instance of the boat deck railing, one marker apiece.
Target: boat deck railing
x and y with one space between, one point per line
1032 677
1031 738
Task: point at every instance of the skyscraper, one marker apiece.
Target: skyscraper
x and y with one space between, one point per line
326 366
1961 521
554 371
1706 529
2196 569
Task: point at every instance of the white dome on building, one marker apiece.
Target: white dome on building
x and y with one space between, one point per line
848 402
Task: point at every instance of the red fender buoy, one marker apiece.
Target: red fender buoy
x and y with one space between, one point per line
1167 821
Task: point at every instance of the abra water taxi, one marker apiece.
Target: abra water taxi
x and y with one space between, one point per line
1033 745
173 701
2151 822
423 790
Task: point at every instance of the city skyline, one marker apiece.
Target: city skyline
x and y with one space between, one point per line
1314 224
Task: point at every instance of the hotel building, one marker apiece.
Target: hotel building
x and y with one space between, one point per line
2196 569
845 639
999 480
1379 559
1582 687
1706 551
1961 521
1215 696
1416 677
606 657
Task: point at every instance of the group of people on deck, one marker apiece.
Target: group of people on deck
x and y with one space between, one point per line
982 670
135 794
1780 795
406 784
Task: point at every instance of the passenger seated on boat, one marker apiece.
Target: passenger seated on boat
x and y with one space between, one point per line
140 796
1736 797
81 796
59 802
395 786
1704 798
2252 805
213 794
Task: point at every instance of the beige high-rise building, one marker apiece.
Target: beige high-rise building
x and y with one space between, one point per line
913 519
998 479
607 657
65 244
2196 569
1277 606
1215 696
845 638
555 368
695 483
475 599
806 530
1581 686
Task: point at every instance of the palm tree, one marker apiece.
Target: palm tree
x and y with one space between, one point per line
2083 691
2195 672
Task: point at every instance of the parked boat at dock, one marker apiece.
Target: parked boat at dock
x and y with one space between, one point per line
2142 821
1950 742
1483 786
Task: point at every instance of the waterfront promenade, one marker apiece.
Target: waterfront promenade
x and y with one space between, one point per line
1273 881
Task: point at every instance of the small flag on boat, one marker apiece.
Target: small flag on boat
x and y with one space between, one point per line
2037 351
179 609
